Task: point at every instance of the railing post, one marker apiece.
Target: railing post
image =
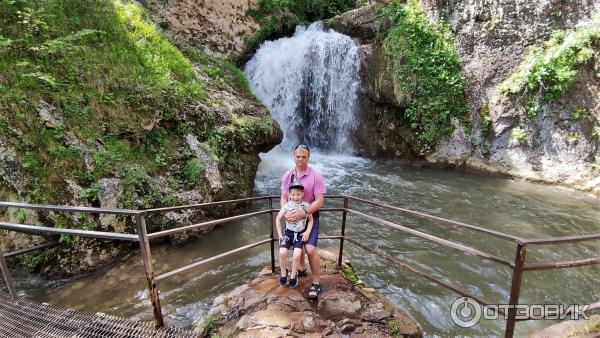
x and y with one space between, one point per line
343 231
271 225
515 289
10 284
147 260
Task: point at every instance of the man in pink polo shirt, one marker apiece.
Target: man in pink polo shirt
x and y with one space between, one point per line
314 194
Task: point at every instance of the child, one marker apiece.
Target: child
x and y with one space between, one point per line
295 234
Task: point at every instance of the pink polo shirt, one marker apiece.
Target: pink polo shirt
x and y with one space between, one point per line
311 180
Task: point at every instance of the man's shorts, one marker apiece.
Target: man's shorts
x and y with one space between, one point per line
288 240
314 233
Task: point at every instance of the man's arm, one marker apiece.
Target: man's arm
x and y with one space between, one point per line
317 204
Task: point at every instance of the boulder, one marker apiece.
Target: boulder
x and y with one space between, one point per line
262 308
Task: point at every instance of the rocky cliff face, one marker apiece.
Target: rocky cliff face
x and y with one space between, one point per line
217 27
492 38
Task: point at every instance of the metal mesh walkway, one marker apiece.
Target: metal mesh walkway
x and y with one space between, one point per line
25 318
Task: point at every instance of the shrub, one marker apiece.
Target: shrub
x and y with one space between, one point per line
428 69
520 135
550 70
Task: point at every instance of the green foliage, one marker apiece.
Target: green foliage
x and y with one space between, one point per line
486 122
33 261
520 135
550 70
18 214
533 106
91 194
596 131
428 69
596 165
350 275
393 328
103 67
578 113
90 226
278 18
486 148
212 325
195 170
134 178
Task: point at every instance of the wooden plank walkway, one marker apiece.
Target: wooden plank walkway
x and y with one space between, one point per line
26 318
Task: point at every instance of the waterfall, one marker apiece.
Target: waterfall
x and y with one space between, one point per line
309 83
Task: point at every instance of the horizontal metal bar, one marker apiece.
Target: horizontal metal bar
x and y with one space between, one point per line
210 259
34 229
562 240
126 212
423 274
561 265
322 209
202 205
160 234
493 233
32 249
326 237
438 240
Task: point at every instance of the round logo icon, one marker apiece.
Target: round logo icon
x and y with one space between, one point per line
465 312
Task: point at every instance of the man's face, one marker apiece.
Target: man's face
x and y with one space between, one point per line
296 195
301 158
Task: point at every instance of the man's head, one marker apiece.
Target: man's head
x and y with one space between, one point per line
301 156
296 192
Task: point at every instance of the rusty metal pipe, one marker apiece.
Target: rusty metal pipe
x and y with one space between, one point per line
147 262
160 234
435 239
561 240
202 205
210 259
10 283
423 274
515 289
272 235
35 229
32 249
343 233
88 210
560 265
439 219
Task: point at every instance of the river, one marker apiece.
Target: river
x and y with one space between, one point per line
513 207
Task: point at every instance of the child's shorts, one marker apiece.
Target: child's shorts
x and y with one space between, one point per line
291 238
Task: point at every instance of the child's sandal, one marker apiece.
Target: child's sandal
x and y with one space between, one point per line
283 280
293 282
302 273
314 291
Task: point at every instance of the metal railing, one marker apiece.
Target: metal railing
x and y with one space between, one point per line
518 266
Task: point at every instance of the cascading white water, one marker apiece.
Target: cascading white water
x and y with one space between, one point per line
309 82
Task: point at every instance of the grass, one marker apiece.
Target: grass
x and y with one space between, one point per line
109 73
212 325
102 67
427 68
